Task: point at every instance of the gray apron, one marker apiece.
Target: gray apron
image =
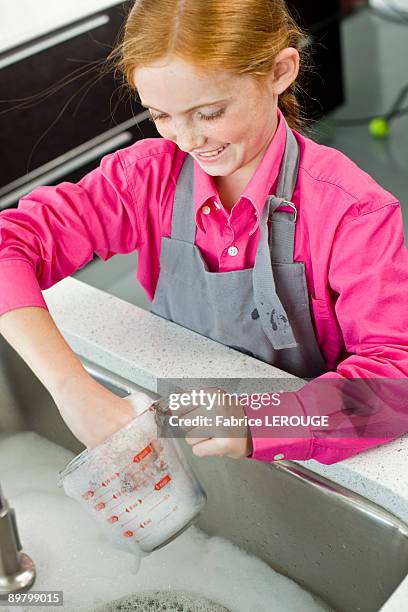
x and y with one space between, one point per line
262 311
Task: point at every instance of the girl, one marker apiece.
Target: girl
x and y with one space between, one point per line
322 294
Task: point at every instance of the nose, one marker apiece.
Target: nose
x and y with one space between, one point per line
188 138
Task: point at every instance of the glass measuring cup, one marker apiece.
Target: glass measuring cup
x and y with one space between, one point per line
137 485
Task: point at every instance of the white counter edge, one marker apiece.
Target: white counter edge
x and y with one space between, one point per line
134 343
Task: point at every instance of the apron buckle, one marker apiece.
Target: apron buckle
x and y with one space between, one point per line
287 203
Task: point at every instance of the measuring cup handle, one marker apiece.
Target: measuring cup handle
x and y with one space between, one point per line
161 414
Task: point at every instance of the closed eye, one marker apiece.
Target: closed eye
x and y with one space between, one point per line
205 117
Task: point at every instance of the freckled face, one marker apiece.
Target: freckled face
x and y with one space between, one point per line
240 114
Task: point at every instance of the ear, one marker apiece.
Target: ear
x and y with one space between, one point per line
285 70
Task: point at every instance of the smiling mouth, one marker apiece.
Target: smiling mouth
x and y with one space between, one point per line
211 150
211 154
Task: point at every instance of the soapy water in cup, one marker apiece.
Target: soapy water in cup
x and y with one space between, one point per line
139 487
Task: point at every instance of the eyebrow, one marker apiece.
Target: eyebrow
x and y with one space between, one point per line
190 109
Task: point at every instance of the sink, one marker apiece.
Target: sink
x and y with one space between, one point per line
347 551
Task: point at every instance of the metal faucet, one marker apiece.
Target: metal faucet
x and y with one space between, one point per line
17 570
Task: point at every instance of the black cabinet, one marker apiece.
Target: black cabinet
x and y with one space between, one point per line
323 88
63 111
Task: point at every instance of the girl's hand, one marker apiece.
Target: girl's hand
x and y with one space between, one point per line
236 441
92 412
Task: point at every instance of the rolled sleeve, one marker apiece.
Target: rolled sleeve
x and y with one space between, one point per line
279 449
284 442
19 286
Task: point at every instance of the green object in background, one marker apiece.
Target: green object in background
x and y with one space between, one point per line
379 127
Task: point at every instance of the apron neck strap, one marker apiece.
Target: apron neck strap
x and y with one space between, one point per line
282 232
289 167
183 225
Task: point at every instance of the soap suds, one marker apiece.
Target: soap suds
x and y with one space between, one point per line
73 554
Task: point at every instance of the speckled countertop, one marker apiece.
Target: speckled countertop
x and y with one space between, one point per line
143 348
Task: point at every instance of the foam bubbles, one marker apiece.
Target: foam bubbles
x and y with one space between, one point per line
161 601
73 554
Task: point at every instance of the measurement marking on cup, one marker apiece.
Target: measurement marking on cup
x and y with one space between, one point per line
101 501
108 500
142 454
148 521
162 482
110 479
141 525
133 506
129 534
114 496
103 495
102 498
116 505
113 519
140 502
164 517
88 494
137 458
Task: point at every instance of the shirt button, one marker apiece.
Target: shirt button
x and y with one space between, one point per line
279 456
206 210
232 251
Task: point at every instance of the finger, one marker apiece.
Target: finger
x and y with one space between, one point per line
192 441
212 446
198 434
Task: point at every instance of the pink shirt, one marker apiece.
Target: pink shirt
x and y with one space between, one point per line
349 234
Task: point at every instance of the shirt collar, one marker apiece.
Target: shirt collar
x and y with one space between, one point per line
262 183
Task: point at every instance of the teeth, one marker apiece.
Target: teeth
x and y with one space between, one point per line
212 154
